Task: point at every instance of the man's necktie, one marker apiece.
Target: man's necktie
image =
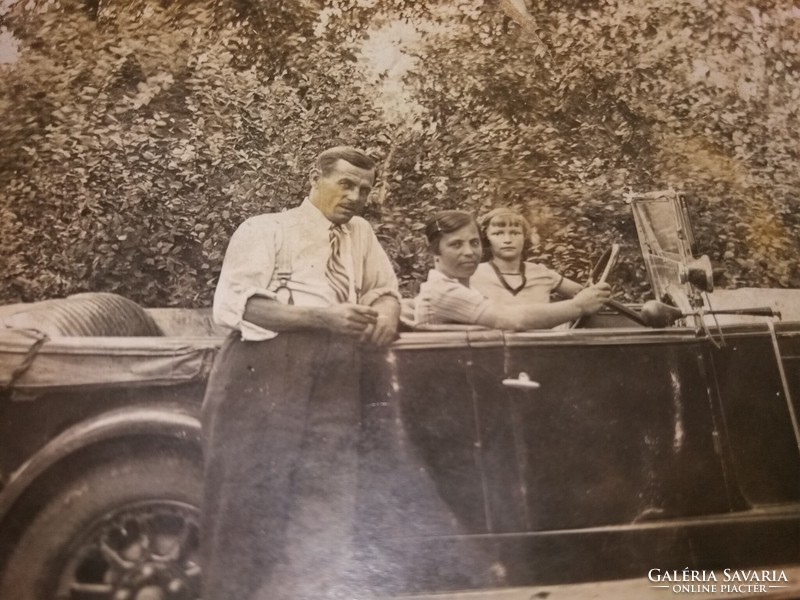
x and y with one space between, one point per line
335 271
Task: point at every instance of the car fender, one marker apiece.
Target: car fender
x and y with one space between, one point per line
153 421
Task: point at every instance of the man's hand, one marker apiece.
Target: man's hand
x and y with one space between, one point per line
382 333
350 319
592 298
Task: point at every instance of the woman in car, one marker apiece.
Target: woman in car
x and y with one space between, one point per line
505 235
447 296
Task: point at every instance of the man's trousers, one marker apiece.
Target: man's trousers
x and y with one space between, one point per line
280 426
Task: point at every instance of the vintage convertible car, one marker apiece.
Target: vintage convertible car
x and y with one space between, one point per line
662 436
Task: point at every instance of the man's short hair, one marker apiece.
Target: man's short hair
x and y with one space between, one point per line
446 221
327 160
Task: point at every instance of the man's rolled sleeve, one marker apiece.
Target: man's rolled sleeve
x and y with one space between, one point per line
246 272
370 297
379 278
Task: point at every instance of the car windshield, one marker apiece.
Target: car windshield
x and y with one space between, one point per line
664 237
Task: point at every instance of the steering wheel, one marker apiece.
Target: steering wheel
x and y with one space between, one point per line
600 272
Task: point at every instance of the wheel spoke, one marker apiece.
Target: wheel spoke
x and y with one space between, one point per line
114 558
148 544
169 536
183 545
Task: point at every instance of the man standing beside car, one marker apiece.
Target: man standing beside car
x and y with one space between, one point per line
302 289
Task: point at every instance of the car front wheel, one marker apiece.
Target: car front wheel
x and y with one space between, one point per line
125 527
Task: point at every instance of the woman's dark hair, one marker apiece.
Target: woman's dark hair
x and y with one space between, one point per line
446 221
504 217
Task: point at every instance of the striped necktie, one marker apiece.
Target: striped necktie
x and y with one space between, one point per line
335 271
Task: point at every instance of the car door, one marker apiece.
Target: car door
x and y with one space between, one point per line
620 430
621 459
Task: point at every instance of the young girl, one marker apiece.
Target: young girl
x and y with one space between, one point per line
448 295
506 276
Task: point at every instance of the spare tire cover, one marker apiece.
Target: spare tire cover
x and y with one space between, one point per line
87 314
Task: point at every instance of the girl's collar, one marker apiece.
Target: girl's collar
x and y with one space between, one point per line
514 290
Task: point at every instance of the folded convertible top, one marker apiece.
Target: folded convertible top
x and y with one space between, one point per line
30 360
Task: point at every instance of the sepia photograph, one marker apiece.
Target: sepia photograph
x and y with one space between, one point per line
399 299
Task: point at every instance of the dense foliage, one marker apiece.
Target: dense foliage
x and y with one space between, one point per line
137 135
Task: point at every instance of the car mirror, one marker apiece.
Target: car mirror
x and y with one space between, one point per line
699 273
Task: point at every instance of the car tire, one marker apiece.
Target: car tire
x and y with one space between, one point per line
123 527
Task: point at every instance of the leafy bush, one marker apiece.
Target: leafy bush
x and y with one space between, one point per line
138 135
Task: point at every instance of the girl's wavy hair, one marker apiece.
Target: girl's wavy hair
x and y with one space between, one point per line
504 216
446 221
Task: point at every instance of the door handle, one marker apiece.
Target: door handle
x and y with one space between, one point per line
522 382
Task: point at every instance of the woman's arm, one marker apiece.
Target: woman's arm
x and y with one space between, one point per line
517 317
